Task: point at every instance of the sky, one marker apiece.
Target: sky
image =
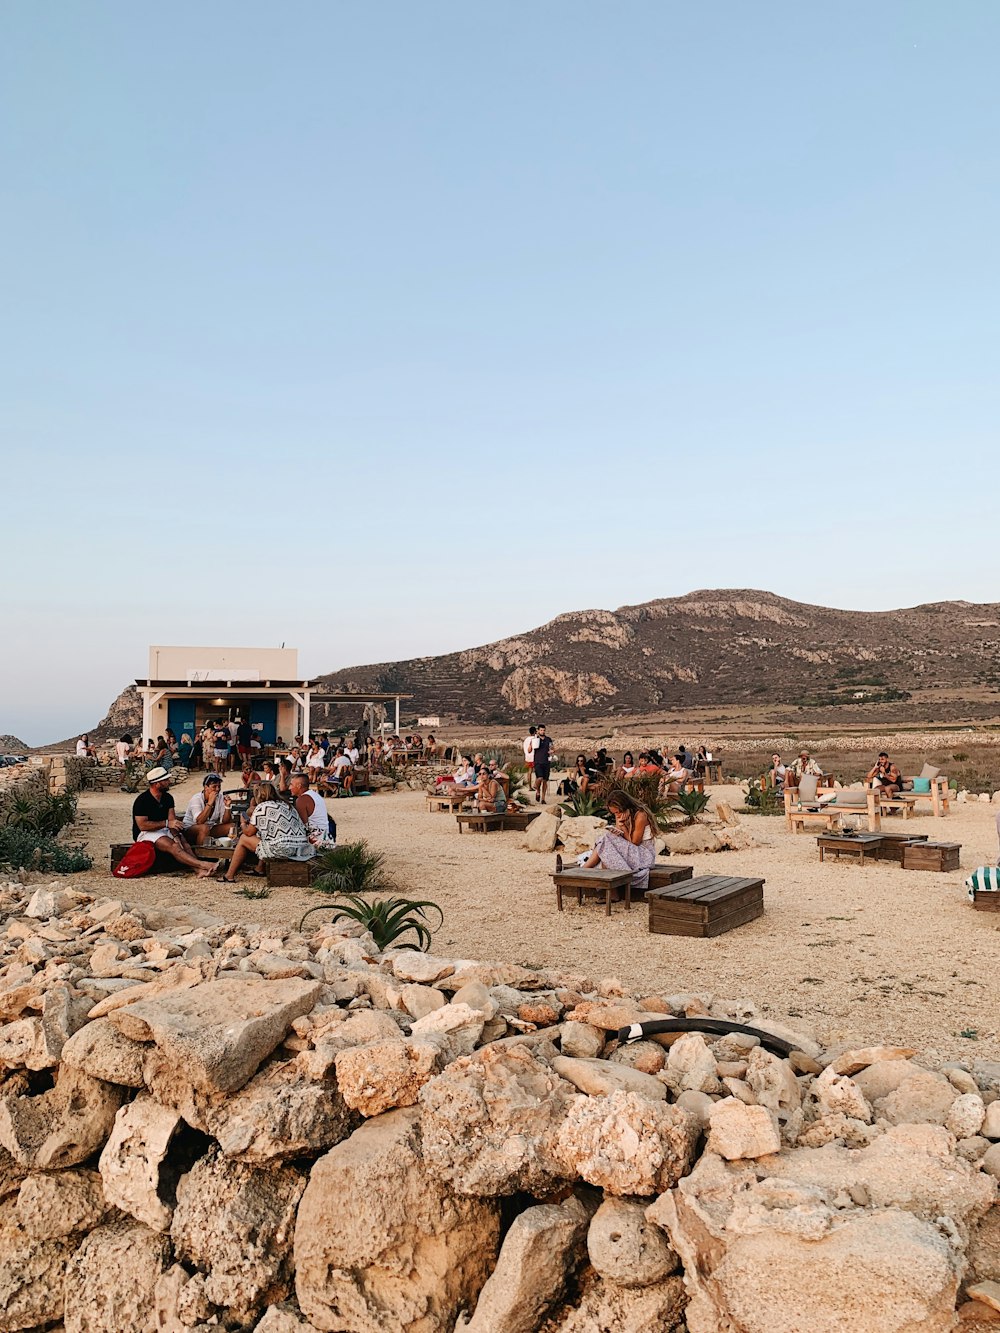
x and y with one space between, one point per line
388 330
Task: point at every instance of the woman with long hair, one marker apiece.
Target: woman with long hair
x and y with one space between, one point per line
630 845
272 831
627 769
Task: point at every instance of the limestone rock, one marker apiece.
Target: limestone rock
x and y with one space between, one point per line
411 965
234 1223
541 834
50 1207
605 1307
772 1082
380 1244
48 902
578 833
455 1027
739 1131
134 1165
212 1037
61 1126
598 1078
283 1112
878 1080
966 1115
32 1273
541 1248
111 1280
853 1061
983 1251
386 1074
698 1104
625 1144
991 1122
102 1052
581 1040
284 1319
627 1249
991 1161
839 1093
924 1098
646 1056
418 1001
691 1065
695 838
489 1121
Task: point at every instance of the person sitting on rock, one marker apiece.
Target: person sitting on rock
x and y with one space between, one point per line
208 814
631 845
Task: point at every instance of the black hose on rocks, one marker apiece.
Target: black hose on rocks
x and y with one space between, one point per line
718 1027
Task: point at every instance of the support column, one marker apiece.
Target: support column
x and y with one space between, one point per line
305 714
397 714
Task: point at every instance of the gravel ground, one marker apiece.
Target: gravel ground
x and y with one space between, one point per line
860 954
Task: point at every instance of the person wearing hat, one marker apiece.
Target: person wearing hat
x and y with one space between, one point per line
154 819
802 766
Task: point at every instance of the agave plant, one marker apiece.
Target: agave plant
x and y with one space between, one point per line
690 803
585 803
352 867
644 787
387 919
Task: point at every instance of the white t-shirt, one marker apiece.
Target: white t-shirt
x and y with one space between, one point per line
81 750
340 763
232 728
319 820
121 750
197 804
316 760
352 754
530 746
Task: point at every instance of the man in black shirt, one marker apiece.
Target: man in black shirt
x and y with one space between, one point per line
155 820
244 739
543 764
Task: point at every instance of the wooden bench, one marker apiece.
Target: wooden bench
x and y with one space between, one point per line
939 797
165 864
602 883
713 770
858 845
938 856
706 906
661 877
893 844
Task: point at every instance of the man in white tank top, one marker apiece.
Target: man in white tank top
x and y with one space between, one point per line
311 808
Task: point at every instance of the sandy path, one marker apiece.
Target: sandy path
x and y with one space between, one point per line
871 953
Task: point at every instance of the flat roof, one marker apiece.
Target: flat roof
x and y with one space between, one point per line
235 686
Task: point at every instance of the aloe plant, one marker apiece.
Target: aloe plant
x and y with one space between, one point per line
387 919
690 803
585 803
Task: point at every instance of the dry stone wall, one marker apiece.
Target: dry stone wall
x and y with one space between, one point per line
216 1126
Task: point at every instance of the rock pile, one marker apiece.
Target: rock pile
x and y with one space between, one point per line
214 1126
578 833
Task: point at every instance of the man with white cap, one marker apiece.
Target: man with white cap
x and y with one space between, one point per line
154 819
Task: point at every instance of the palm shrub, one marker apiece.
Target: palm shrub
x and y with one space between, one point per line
518 783
644 787
351 867
387 919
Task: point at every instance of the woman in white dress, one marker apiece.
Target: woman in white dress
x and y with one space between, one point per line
272 830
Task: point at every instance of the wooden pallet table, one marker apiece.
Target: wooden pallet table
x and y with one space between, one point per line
661 877
938 856
486 821
857 845
825 817
451 800
893 844
706 906
603 883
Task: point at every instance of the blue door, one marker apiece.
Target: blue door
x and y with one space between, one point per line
180 717
264 720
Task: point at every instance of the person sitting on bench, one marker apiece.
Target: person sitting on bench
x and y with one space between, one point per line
884 776
272 831
631 845
208 814
155 820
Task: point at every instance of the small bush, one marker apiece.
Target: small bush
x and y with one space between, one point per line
353 867
28 849
584 803
761 800
690 803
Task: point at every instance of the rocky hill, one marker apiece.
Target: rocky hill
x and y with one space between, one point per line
709 648
706 648
12 745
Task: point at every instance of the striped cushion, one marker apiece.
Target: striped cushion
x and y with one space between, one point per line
985 879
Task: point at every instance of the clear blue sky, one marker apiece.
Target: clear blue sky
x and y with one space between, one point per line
616 301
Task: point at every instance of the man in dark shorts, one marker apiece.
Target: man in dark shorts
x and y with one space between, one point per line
154 820
543 764
244 740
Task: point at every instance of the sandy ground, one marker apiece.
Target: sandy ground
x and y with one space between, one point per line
866 954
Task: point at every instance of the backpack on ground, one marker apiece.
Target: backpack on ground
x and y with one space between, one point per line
139 859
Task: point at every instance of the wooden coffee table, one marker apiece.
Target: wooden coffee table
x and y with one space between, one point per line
602 883
858 845
706 906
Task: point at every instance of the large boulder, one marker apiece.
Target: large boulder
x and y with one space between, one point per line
289 1109
234 1223
111 1280
625 1143
60 1126
579 833
489 1123
134 1165
541 834
382 1245
542 1247
208 1040
50 1207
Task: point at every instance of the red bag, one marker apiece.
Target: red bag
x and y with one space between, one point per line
137 860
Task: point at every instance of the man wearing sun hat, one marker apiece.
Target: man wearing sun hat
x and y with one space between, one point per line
801 766
154 819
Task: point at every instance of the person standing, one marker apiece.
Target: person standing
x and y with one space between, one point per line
244 740
232 728
543 763
220 746
529 745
